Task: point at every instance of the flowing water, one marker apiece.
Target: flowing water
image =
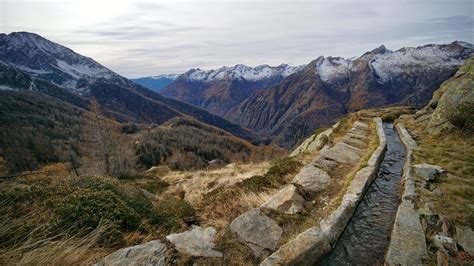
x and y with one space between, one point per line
365 238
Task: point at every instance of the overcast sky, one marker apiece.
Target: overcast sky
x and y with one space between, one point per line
142 38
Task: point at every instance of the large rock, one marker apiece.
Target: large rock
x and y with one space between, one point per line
312 179
287 200
196 242
150 253
454 95
257 231
428 172
465 238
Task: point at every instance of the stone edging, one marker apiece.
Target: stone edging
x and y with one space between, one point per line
315 242
407 242
315 143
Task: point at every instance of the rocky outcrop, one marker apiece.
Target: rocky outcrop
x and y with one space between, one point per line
287 200
312 179
407 243
315 142
453 101
196 242
150 253
257 231
310 245
428 172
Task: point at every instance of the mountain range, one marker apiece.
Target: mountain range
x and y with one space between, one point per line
288 103
78 78
281 103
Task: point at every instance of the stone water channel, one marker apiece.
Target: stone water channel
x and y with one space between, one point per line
366 237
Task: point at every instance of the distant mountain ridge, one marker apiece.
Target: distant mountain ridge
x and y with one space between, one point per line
270 100
330 87
83 78
222 89
156 83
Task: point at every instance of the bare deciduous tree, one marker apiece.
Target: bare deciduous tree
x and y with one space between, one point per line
103 145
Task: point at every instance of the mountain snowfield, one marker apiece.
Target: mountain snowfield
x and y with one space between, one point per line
242 72
385 63
42 58
389 63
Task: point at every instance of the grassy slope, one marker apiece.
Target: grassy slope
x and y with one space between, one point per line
454 152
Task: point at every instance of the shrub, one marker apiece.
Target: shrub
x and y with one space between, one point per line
275 176
172 213
85 209
283 166
463 116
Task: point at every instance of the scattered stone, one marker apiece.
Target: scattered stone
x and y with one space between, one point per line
428 172
465 238
215 163
196 242
150 253
231 165
312 179
147 193
287 200
257 231
445 244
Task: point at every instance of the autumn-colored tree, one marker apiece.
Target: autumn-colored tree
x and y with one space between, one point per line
103 145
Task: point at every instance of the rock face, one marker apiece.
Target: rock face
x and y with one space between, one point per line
287 200
465 238
196 242
312 179
453 100
150 253
428 172
257 231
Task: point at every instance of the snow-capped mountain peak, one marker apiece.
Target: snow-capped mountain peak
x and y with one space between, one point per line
166 76
332 67
46 59
242 72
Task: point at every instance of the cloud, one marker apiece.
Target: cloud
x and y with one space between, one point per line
152 37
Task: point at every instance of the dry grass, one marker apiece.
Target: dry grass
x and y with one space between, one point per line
194 184
220 209
454 152
56 250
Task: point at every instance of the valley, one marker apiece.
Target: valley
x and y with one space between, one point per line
239 165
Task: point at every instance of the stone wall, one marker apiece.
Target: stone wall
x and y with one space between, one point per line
315 242
407 243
